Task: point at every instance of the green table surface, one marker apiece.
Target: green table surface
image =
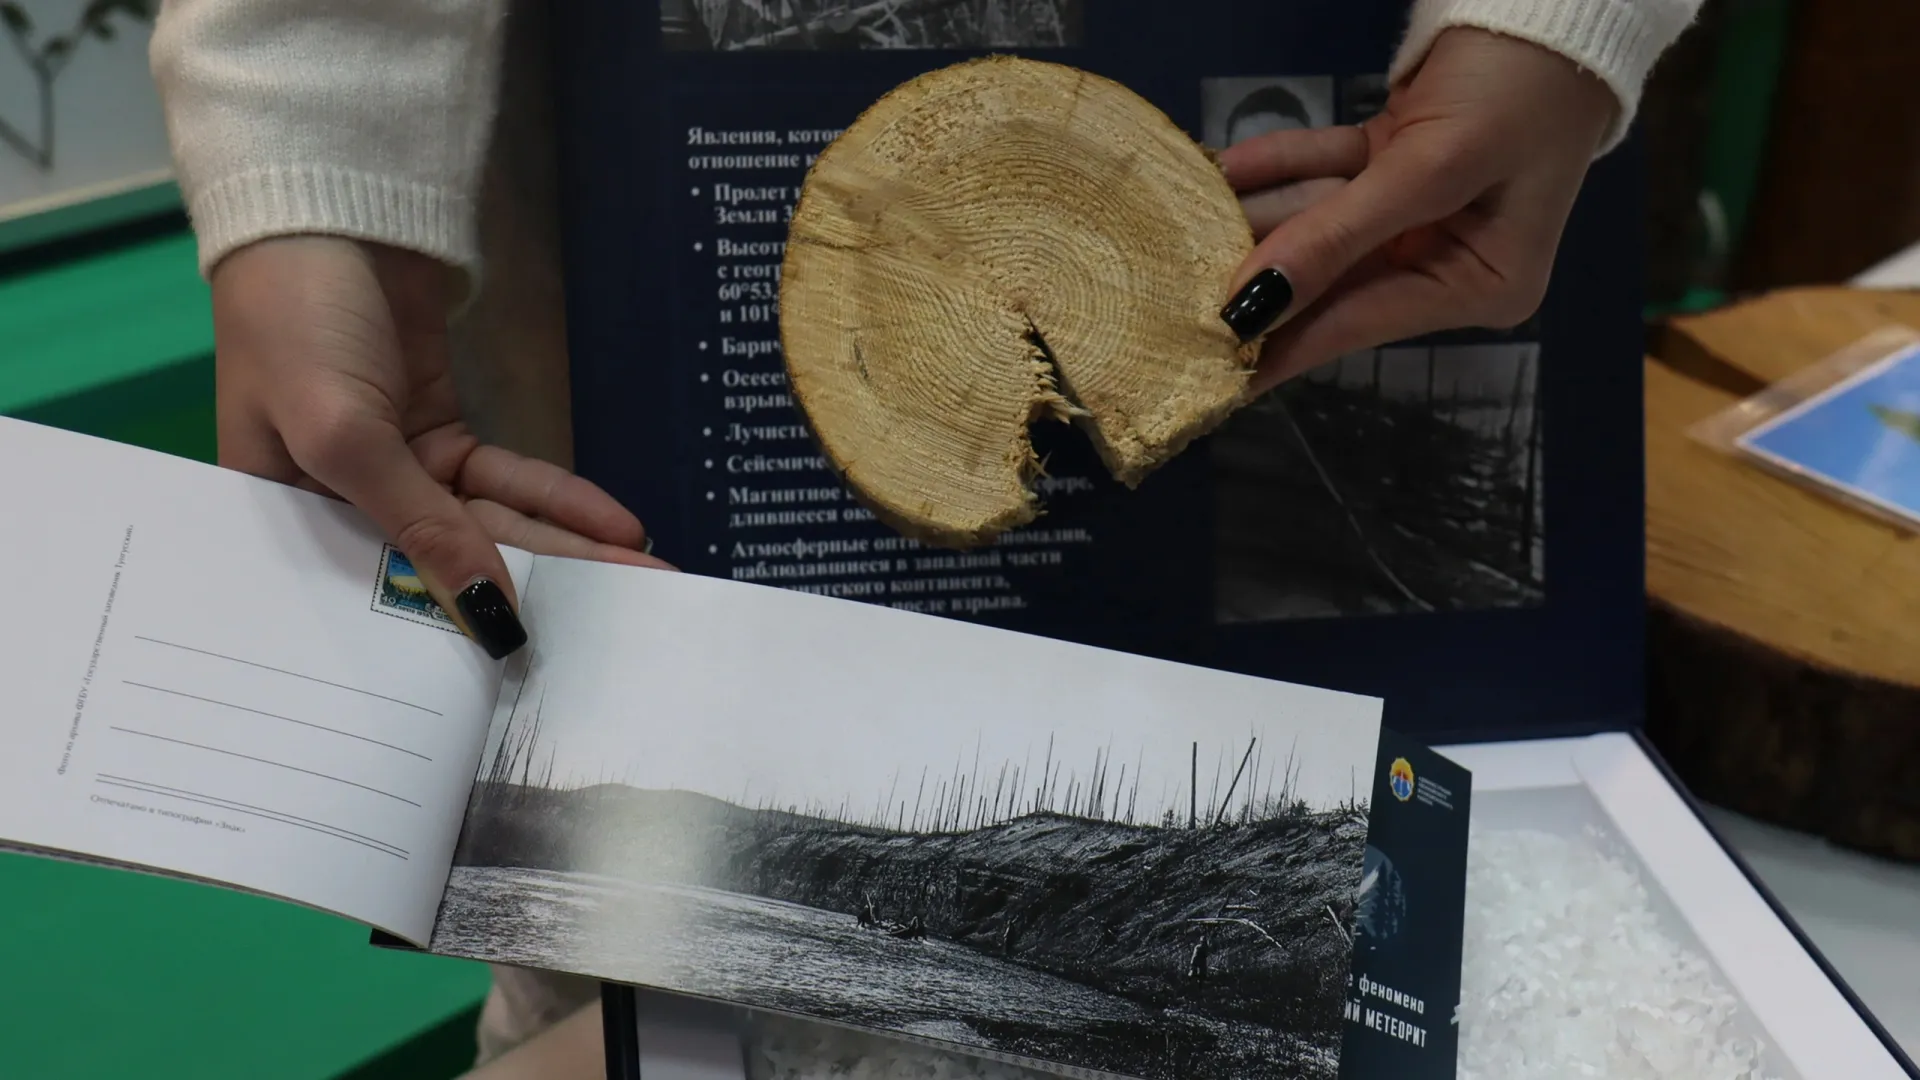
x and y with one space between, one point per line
108 973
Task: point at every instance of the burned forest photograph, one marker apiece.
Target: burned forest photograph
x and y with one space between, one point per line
1402 480
1143 893
845 25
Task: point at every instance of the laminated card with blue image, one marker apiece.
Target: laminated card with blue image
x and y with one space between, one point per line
1859 437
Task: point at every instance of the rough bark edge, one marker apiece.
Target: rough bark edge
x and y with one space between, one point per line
1782 739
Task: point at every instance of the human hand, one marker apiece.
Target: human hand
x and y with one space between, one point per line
1443 211
333 375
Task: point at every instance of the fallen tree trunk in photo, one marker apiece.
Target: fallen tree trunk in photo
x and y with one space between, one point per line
1784 627
991 245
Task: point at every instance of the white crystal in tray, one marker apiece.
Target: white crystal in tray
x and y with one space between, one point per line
1576 964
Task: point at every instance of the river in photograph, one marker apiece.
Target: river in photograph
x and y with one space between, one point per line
763 952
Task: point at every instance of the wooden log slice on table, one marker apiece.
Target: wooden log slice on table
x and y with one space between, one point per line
997 243
1784 627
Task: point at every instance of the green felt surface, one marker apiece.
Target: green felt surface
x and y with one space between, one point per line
115 974
106 973
27 230
93 324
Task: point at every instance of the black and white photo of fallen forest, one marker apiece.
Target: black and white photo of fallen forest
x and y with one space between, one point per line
845 25
1115 911
1402 480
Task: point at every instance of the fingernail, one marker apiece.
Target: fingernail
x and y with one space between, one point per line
1260 302
490 619
646 546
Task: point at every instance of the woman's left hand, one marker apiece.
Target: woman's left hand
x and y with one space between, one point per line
1443 211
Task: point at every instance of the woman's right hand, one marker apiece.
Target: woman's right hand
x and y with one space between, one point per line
334 375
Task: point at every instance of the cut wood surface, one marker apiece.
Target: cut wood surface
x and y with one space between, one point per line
1771 338
994 244
1784 634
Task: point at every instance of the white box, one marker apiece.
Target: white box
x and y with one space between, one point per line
1609 787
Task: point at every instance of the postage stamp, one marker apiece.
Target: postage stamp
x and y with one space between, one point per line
399 592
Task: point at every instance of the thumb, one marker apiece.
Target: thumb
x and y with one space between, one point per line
367 462
1306 254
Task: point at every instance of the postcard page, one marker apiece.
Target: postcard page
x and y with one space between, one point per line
208 674
834 809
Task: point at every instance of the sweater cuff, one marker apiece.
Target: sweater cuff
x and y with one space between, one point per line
1617 41
245 207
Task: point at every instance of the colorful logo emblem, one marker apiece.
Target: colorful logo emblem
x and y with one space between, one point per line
1400 779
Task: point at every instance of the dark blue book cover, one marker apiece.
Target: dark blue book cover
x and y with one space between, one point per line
1404 987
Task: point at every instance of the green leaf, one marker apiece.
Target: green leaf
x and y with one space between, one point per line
15 17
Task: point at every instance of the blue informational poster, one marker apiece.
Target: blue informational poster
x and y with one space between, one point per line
1452 524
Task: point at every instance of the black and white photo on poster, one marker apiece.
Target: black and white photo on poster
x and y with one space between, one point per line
1147 871
843 25
1403 479
1234 109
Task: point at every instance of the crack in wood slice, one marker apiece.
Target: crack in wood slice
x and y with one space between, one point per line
997 243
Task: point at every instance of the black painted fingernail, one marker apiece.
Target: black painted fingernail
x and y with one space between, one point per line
1258 304
490 619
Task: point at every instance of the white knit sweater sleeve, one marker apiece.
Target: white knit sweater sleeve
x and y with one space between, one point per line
360 118
370 118
1618 41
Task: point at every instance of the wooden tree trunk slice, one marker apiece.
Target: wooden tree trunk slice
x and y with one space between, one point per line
997 243
1784 628
1772 337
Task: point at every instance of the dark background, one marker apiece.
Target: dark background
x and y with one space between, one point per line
1568 665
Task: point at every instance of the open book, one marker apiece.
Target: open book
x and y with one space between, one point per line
1017 846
